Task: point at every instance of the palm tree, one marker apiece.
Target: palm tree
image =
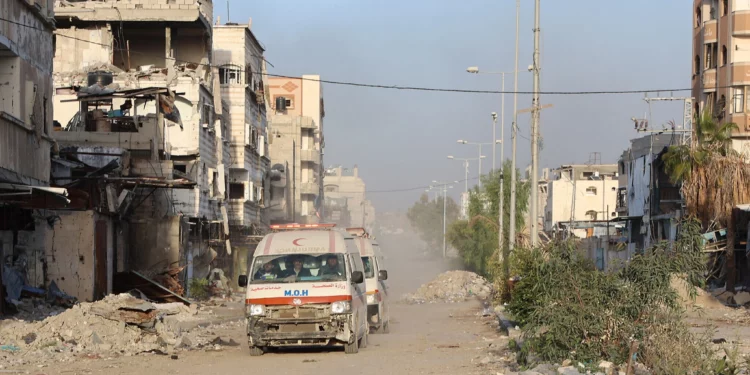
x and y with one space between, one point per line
713 177
713 139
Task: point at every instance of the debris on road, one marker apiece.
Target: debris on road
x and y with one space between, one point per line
118 325
452 287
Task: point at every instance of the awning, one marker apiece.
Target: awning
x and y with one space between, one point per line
33 196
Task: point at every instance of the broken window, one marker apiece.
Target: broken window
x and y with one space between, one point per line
698 17
230 75
215 184
710 101
205 116
697 66
712 50
253 137
249 78
236 191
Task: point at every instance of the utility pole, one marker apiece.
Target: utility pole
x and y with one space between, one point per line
501 196
513 133
535 131
445 197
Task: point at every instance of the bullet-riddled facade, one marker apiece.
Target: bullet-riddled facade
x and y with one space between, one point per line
128 52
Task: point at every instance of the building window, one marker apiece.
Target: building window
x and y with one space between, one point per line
711 52
724 55
205 116
590 190
697 66
236 191
249 77
230 75
591 215
724 7
714 11
738 99
710 102
698 17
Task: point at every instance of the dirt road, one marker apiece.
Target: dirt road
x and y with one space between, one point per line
424 339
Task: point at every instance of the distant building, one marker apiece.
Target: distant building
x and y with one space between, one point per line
721 63
296 145
580 192
648 201
349 185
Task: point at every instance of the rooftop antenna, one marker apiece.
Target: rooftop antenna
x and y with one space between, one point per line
228 20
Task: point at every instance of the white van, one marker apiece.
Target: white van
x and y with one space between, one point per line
378 308
306 288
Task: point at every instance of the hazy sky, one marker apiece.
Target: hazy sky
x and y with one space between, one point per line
401 139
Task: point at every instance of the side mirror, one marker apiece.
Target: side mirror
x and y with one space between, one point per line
242 281
383 275
358 277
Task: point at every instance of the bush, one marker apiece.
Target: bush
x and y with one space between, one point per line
569 309
199 288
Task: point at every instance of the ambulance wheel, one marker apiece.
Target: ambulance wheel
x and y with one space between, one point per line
386 328
256 351
365 338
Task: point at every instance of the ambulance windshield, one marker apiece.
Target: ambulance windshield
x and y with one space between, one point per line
294 268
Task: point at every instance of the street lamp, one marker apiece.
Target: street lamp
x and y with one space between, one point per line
444 186
466 168
479 144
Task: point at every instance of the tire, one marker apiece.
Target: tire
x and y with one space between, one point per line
352 348
386 328
256 351
365 339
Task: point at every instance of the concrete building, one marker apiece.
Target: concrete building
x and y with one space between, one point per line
580 193
340 183
26 49
132 54
721 63
239 57
649 203
296 145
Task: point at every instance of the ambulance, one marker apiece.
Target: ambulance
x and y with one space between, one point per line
376 275
306 287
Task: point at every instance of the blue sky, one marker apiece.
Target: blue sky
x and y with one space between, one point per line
401 139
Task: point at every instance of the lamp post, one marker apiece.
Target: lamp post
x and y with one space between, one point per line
479 144
466 168
444 187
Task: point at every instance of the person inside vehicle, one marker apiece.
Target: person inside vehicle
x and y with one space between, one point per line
298 268
332 267
267 272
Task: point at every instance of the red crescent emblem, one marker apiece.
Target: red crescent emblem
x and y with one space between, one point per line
296 242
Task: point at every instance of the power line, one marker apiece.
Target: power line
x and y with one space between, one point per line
394 87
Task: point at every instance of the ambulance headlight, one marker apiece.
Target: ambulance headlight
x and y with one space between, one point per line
256 310
340 307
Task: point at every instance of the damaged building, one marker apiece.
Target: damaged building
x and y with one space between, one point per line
241 67
143 130
26 48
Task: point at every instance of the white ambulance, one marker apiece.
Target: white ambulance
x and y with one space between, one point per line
306 287
378 308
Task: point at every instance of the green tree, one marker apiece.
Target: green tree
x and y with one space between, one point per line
476 238
713 139
426 217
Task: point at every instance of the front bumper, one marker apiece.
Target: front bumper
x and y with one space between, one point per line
322 331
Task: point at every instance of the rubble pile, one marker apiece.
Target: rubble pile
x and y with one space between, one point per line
451 287
118 325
